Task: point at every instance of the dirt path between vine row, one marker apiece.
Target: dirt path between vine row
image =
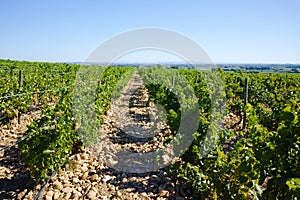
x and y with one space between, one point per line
14 178
129 126
132 126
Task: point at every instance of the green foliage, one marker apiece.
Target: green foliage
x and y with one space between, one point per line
278 150
268 154
49 140
294 185
264 162
37 89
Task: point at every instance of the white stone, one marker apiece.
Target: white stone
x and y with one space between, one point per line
106 178
92 195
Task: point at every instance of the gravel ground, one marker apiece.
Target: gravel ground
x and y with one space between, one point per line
15 182
129 126
93 174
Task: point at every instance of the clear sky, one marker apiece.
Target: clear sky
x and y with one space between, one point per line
231 31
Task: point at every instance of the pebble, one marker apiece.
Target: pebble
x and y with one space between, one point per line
136 196
50 193
79 189
67 190
110 162
58 185
84 168
94 178
85 156
106 178
75 180
144 194
76 194
68 195
129 189
48 197
132 179
164 193
56 195
111 187
155 179
119 194
92 195
85 175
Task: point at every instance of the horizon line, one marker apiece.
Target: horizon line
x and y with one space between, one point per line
163 62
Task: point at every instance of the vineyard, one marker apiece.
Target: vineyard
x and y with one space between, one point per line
49 124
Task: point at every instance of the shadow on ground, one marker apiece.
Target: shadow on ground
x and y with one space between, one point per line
15 181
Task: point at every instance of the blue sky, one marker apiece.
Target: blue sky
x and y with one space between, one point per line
231 31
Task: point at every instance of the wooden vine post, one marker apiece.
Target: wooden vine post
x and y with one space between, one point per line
173 81
20 78
20 86
245 102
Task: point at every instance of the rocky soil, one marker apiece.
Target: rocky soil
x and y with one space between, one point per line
15 182
111 169
101 172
